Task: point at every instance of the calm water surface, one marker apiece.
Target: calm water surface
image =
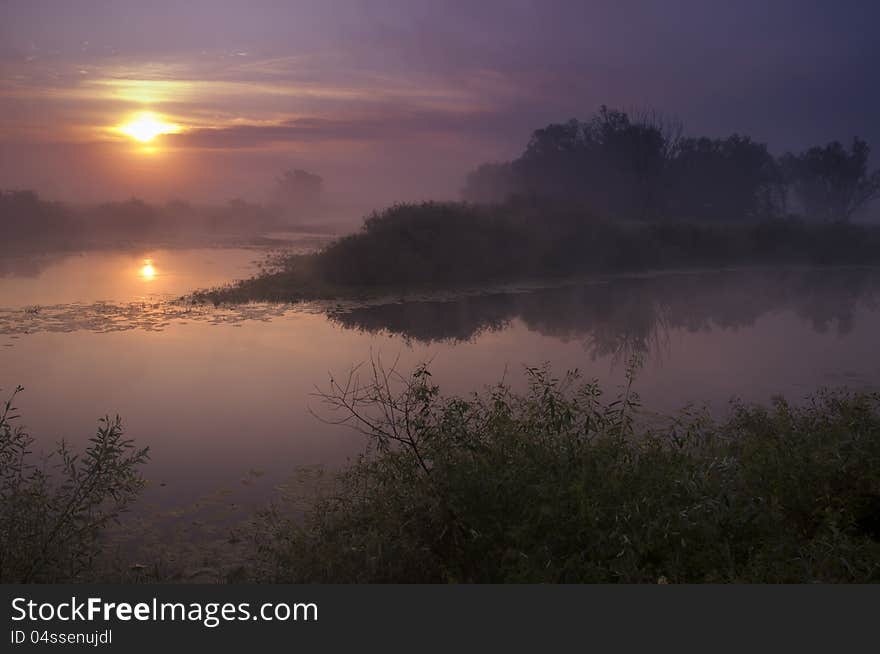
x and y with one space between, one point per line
223 402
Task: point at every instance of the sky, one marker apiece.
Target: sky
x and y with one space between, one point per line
396 100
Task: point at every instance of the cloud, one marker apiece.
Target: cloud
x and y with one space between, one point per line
392 125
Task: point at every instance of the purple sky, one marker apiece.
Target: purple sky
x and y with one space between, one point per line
396 100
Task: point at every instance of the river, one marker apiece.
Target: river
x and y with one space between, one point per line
225 397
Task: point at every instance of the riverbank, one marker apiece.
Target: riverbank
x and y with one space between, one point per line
435 247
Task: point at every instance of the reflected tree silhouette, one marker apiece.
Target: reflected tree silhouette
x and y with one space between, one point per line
27 266
630 315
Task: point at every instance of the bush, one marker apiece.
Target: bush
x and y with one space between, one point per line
448 245
425 244
559 485
52 512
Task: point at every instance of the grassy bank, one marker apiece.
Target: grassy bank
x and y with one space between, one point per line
443 246
557 484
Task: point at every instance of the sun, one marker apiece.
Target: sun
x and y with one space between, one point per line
146 126
148 271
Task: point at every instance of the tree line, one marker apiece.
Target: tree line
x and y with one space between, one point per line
29 221
639 167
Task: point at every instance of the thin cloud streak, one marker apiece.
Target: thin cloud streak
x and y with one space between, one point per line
392 126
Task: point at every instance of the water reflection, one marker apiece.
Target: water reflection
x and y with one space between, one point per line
28 267
119 276
614 317
216 392
633 314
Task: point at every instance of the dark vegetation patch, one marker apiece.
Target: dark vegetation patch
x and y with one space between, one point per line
557 484
449 245
560 485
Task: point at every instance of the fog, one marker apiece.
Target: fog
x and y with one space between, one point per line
396 101
596 283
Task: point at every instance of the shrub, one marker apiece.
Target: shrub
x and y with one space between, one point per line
449 245
560 485
52 512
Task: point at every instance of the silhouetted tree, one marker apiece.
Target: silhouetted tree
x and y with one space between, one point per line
29 223
133 218
635 153
830 182
490 183
299 190
637 166
552 165
612 164
25 217
723 179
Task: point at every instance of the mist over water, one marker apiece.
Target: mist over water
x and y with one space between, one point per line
623 268
223 396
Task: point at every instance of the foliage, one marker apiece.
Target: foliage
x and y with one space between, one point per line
555 484
830 182
560 485
447 245
731 179
431 242
52 511
637 166
613 165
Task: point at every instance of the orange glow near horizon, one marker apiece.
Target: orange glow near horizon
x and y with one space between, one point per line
146 126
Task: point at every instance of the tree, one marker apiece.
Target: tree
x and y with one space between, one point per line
612 163
25 218
634 153
132 218
553 164
299 190
831 182
723 179
490 183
